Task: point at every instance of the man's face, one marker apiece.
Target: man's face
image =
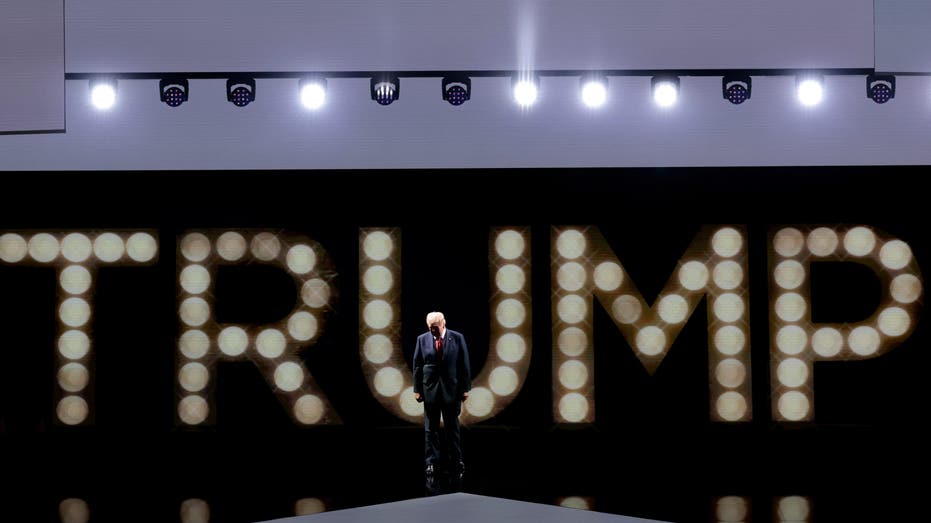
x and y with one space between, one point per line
436 326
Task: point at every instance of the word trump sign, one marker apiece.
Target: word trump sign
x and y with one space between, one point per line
583 269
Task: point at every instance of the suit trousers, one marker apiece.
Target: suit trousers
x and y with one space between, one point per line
432 442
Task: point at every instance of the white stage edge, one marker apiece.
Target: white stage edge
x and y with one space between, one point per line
462 508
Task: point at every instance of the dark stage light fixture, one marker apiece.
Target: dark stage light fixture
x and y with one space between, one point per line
736 88
173 91
385 89
457 89
240 91
880 87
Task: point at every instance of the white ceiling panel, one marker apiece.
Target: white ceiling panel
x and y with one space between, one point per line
422 131
32 65
341 35
903 35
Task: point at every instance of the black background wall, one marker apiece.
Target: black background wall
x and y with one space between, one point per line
652 451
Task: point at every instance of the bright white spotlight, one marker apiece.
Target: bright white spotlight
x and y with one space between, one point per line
103 93
525 92
810 90
594 92
665 90
313 93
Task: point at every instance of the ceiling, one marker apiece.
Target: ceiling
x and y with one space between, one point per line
490 131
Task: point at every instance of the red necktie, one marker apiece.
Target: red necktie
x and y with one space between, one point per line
439 347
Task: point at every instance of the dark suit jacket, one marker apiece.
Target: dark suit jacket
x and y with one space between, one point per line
442 380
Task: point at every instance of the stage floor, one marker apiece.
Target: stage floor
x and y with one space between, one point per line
462 508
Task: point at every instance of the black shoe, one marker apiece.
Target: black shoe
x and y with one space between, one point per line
456 477
432 486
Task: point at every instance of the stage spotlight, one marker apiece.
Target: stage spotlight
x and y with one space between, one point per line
173 91
240 90
665 90
810 89
313 92
457 89
594 91
385 89
880 87
526 90
103 92
736 88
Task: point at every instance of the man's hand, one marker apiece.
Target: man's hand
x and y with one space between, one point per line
465 395
417 396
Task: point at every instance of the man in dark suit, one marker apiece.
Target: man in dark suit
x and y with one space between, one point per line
442 380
